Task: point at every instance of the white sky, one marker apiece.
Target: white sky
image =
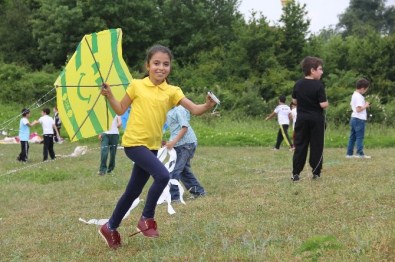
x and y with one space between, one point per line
322 13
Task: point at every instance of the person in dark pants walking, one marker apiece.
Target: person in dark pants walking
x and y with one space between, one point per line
310 97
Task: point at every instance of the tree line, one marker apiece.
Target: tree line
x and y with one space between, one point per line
247 62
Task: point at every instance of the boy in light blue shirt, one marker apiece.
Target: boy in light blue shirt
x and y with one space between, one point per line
24 134
184 141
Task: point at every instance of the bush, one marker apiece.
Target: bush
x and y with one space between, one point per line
339 114
22 86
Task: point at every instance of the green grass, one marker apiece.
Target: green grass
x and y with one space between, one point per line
224 131
229 130
253 212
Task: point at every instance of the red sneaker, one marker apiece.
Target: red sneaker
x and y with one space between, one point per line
148 227
112 237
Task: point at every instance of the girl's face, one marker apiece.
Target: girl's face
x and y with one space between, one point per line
159 67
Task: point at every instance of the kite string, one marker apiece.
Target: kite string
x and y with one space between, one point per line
32 107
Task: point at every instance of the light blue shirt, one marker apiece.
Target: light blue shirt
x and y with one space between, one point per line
177 118
24 129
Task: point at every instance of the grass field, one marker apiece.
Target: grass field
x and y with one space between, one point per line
253 212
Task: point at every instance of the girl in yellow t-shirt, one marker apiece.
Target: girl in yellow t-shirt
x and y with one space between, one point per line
151 98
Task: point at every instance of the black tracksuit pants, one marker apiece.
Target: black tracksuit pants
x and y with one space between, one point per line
48 147
281 135
309 132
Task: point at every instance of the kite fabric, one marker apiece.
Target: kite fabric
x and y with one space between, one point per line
98 59
168 158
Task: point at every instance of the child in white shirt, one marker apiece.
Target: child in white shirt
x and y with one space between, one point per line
283 113
358 120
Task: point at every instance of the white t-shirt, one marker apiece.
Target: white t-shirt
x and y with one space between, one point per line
358 100
47 123
294 114
114 126
282 112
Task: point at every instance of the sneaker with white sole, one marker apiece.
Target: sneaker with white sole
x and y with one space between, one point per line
348 156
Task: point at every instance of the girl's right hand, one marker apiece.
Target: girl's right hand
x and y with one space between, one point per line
106 90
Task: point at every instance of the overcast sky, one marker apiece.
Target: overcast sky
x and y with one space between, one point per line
322 13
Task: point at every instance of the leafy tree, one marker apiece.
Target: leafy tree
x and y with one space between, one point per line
141 22
70 20
362 15
389 20
295 30
190 27
59 39
17 43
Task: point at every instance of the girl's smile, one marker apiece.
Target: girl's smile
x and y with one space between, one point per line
159 67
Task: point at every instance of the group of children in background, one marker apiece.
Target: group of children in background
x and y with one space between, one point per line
50 126
308 103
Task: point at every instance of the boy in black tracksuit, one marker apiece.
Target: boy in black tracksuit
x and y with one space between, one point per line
309 96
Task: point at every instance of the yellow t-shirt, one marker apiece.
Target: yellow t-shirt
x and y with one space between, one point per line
150 104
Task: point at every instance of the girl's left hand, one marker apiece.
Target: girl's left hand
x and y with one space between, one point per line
210 101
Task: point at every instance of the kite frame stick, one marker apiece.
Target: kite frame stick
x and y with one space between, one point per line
102 79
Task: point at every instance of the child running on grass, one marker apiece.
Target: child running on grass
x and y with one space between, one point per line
283 113
151 98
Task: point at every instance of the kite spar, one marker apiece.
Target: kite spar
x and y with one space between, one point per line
98 59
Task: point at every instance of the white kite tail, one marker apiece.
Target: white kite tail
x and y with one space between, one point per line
168 158
102 221
166 196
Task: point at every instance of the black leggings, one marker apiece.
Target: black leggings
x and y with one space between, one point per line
146 164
